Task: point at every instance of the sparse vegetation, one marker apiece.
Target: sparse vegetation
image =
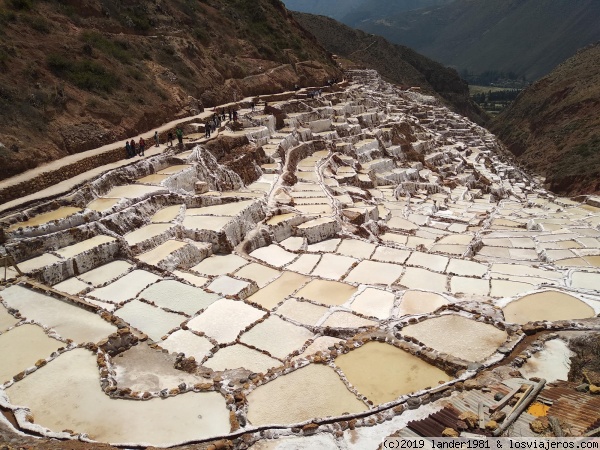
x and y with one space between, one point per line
118 49
84 74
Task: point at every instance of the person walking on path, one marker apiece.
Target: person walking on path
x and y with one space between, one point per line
207 129
170 137
142 147
179 133
156 138
133 148
128 149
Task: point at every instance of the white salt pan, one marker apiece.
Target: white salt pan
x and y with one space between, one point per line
276 336
274 255
458 336
106 273
178 296
125 288
374 302
224 319
371 272
150 320
22 347
66 319
62 398
240 356
184 341
220 265
315 391
333 266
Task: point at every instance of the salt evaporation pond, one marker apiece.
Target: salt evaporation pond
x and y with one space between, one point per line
107 272
303 312
62 398
6 319
552 363
241 357
126 287
167 214
102 204
383 372
150 320
420 302
143 369
314 391
327 292
44 218
147 232
458 336
22 347
178 296
220 265
277 291
374 302
160 253
69 321
290 337
188 343
547 305
239 316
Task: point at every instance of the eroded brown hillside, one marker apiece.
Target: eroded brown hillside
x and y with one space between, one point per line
554 126
77 74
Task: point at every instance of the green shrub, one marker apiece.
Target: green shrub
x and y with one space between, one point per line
114 48
85 74
40 24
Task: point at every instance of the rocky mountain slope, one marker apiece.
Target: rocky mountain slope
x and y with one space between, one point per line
76 75
554 128
527 37
397 63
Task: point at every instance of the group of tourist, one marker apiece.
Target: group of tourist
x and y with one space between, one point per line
133 148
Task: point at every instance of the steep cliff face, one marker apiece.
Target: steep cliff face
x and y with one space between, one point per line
554 127
75 74
397 63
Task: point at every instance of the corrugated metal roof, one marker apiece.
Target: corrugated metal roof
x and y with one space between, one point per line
578 409
433 425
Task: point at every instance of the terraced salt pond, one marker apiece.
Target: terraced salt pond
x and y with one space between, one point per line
292 299
458 336
69 321
44 218
547 305
315 391
378 371
61 398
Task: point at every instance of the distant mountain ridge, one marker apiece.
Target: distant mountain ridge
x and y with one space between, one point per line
351 12
525 37
554 126
399 64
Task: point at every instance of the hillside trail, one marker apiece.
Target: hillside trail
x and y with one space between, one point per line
67 185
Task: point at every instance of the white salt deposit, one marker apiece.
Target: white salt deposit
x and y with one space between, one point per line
167 214
239 356
147 232
373 302
458 336
315 391
69 321
290 337
61 398
239 316
22 347
178 296
107 272
261 275
331 293
303 312
220 265
6 319
188 343
274 255
371 272
153 321
333 266
225 285
126 287
280 289
72 286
